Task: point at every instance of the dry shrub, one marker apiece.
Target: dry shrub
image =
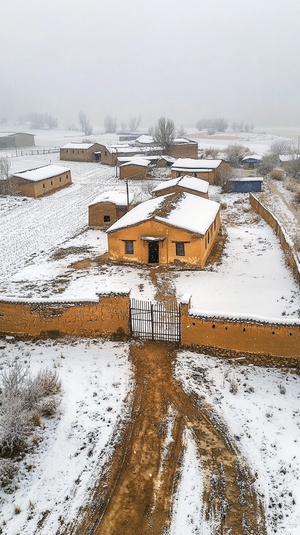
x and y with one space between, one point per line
48 407
49 382
8 470
277 174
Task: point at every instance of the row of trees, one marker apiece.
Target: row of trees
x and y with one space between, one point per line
212 125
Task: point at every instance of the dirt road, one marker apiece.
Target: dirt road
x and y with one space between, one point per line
135 495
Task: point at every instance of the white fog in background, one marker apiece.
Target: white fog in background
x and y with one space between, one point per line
186 59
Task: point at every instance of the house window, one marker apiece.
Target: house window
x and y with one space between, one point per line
106 218
129 247
51 183
179 248
60 178
44 186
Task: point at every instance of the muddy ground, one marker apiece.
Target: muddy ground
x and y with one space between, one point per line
134 493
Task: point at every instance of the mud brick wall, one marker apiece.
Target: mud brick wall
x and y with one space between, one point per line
284 241
279 340
107 317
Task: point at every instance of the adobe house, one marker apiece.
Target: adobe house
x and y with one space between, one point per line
40 181
183 148
211 170
137 168
108 207
16 140
188 184
245 184
109 155
181 227
180 148
81 152
165 161
251 162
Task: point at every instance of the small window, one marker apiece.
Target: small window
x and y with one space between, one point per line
180 248
44 186
106 218
129 247
51 183
60 178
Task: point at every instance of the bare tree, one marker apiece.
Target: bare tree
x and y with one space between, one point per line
164 133
85 123
181 132
110 125
235 154
4 168
134 123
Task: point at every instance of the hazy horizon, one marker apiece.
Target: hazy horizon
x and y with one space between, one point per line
186 61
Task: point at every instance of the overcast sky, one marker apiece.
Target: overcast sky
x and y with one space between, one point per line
184 59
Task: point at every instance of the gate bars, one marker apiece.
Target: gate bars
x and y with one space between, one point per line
155 321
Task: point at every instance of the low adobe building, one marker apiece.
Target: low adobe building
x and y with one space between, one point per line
81 152
16 140
212 170
251 162
137 169
183 148
108 207
40 181
173 228
188 184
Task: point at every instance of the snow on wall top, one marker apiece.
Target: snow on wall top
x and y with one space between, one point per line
47 171
145 139
194 165
80 146
183 210
116 197
189 182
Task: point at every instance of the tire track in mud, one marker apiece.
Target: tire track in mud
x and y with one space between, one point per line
135 494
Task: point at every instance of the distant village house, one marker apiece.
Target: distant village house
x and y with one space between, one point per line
213 171
16 140
187 184
40 181
81 152
107 208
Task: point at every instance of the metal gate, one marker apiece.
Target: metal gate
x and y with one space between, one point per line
155 321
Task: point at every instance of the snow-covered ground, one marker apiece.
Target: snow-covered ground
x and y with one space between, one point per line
39 243
260 407
55 476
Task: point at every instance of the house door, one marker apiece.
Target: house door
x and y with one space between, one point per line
153 255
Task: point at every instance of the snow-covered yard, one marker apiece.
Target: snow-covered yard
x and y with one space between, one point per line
40 241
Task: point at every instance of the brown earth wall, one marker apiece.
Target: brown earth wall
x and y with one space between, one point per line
280 340
186 150
274 223
20 186
108 317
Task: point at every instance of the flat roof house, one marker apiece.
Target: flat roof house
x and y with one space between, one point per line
16 140
188 184
211 170
136 168
176 228
40 181
252 161
245 184
81 152
108 207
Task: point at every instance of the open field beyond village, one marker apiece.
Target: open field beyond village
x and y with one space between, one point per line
148 437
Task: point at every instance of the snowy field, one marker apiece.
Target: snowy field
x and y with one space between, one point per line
34 231
40 242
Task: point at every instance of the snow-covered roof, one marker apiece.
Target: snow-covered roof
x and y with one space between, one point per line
137 161
42 173
116 197
182 210
247 179
80 146
191 164
189 182
145 139
182 140
255 157
167 158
